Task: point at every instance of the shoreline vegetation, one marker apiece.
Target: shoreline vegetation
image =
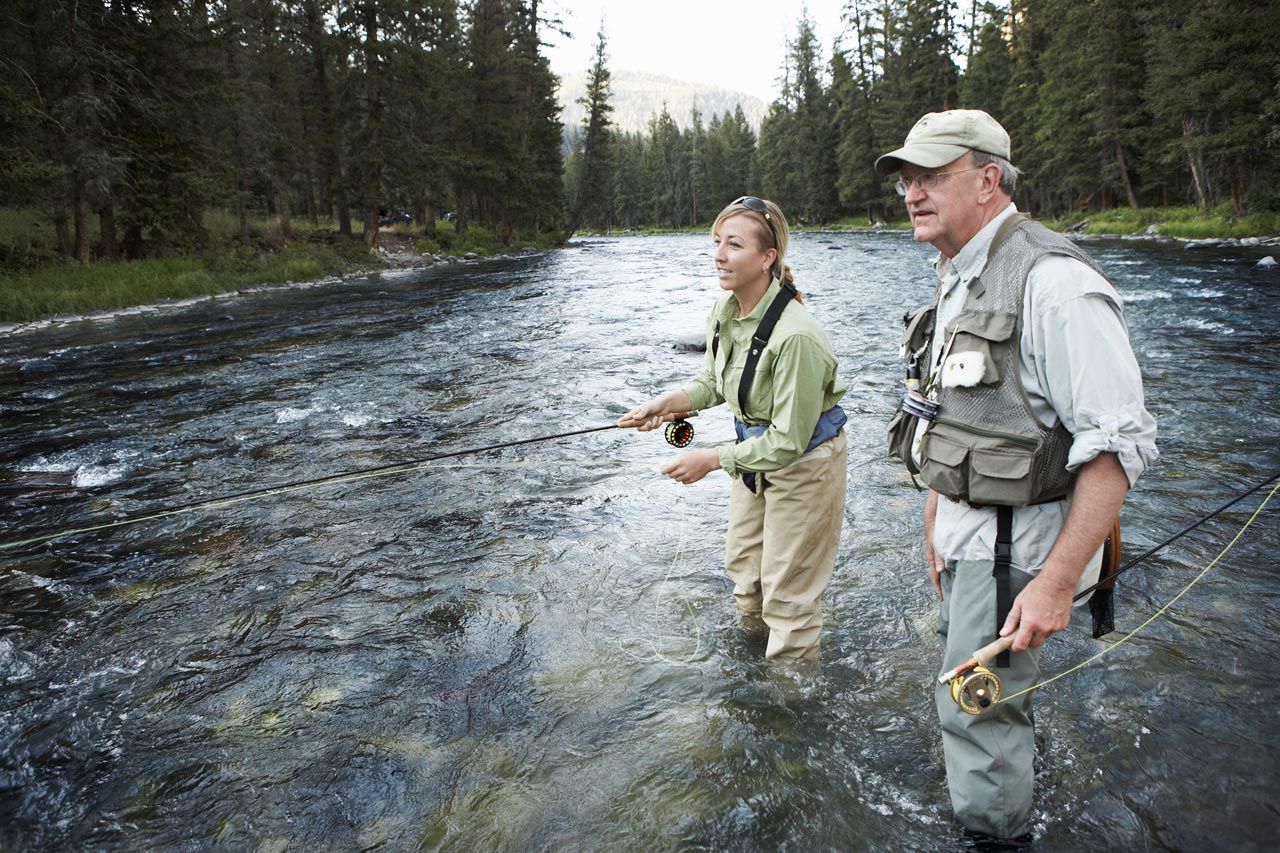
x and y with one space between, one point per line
47 289
39 287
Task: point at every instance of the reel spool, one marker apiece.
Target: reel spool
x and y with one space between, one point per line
678 433
976 691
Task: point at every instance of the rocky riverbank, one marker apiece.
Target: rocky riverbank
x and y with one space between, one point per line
1264 244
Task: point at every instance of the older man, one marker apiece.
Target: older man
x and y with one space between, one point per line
1031 430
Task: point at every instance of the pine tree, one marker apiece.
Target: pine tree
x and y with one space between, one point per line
990 66
592 194
1212 69
854 98
814 130
667 168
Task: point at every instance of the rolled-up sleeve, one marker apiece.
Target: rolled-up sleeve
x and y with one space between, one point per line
1086 367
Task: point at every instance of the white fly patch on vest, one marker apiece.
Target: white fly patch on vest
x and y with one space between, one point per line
963 369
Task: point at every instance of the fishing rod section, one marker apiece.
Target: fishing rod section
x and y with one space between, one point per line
678 432
1079 596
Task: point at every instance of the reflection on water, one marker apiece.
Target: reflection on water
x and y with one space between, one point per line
535 648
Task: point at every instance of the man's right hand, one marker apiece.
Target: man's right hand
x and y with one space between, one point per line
936 563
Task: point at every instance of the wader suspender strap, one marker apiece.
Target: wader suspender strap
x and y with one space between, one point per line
758 342
1004 558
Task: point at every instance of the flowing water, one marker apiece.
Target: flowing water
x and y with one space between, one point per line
535 648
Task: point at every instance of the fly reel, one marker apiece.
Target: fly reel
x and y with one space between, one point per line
974 687
976 691
678 433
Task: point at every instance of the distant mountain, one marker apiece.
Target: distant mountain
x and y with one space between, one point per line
636 97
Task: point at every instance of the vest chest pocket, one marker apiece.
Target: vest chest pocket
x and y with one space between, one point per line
1001 475
978 347
942 464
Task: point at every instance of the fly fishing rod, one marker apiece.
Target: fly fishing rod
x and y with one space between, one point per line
678 432
976 688
1080 596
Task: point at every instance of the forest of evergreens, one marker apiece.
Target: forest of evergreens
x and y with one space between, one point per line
1110 103
129 123
149 115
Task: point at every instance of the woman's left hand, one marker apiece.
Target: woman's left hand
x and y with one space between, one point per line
693 466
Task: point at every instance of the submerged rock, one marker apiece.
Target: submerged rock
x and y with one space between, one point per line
1267 263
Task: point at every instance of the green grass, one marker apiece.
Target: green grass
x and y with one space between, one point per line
36 282
1187 222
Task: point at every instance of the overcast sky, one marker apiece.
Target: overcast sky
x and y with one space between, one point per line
737 44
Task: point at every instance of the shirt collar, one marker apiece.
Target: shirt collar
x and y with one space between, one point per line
730 309
970 260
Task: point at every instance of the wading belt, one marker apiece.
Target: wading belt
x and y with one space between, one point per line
758 342
1004 559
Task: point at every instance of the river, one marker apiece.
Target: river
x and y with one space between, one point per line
535 648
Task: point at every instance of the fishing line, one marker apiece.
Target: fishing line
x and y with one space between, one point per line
657 654
350 476
1172 601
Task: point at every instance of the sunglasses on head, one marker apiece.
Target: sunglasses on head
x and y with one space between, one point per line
750 202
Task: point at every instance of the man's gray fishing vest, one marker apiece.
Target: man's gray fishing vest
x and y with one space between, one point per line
986 445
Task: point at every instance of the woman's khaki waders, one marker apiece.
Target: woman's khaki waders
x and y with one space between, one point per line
782 545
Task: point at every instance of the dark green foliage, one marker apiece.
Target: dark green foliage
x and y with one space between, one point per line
151 114
127 124
594 149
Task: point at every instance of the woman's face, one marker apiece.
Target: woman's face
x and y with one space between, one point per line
741 262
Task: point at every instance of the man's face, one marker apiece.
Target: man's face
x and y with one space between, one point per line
946 214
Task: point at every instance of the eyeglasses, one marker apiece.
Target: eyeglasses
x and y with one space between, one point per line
752 203
928 180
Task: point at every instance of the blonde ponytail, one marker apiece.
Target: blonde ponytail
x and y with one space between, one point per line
788 278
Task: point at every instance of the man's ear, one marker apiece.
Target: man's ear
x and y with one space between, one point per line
990 182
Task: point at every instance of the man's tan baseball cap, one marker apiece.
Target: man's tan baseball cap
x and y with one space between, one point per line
939 138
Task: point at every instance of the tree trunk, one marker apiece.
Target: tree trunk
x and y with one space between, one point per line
82 222
62 228
373 126
1197 171
282 205
107 225
1125 183
313 214
243 186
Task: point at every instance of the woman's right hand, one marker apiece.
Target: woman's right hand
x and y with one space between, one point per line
645 417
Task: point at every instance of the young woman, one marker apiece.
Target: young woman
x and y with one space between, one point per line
788 465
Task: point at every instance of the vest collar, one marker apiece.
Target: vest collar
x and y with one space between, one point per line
972 259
